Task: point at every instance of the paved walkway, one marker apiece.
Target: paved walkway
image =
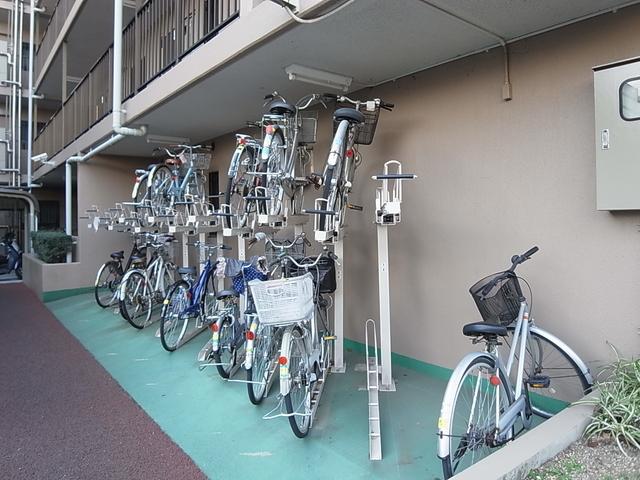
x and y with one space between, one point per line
62 415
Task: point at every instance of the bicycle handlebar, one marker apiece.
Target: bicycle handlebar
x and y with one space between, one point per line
518 259
344 99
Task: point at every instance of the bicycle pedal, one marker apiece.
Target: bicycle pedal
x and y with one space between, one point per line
358 208
539 381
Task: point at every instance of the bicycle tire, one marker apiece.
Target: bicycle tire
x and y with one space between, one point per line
159 185
173 319
225 357
458 440
567 381
141 195
111 268
331 189
233 183
141 302
262 361
300 374
274 170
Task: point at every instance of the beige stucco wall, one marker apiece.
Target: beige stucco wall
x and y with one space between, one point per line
496 178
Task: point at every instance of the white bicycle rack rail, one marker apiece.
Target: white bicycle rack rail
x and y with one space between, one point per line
379 374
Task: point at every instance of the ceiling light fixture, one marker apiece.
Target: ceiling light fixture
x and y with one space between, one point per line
166 140
318 77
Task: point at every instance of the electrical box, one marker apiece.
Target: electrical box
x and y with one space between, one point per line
617 110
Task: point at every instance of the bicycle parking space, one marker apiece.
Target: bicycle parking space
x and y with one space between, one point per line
212 421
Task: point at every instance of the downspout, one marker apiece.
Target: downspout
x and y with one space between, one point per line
32 26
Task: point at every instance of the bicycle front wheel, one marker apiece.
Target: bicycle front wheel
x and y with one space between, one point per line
225 357
298 400
107 282
263 360
554 378
135 306
174 321
467 426
240 186
160 190
276 169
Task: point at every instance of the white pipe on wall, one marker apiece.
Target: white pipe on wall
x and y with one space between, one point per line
32 22
68 198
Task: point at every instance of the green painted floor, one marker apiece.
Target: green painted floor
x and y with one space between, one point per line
216 425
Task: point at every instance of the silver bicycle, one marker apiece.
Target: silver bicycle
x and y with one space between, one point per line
485 397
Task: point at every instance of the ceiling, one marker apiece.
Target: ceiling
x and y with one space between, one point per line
373 41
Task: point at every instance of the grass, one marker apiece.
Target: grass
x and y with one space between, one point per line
617 410
561 471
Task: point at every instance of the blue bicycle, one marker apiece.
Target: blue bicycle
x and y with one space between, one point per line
189 298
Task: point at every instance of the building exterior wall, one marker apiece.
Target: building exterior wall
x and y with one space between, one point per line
496 178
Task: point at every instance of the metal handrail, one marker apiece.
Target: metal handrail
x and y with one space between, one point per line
52 30
151 45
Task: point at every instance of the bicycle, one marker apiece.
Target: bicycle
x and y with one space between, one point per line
286 147
484 397
305 353
263 340
144 288
353 125
189 298
242 181
111 272
167 185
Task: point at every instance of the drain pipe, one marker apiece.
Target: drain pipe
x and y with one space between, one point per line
32 21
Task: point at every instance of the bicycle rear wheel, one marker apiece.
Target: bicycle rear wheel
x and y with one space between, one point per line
159 190
298 400
135 306
467 425
275 169
107 282
174 321
554 378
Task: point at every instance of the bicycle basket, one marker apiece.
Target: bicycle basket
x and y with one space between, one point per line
308 128
324 274
498 299
200 161
283 301
366 130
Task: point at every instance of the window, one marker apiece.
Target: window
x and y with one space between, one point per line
25 57
214 189
630 99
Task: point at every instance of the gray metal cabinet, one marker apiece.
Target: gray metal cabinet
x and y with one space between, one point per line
617 122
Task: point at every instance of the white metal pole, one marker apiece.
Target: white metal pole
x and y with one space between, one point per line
220 253
117 64
32 15
14 79
385 308
185 250
242 255
338 310
19 92
68 185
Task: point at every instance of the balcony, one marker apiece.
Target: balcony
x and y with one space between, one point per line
52 31
160 34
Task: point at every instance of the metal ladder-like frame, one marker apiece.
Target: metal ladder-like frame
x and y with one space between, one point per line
373 387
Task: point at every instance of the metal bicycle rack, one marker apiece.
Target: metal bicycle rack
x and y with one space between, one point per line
379 374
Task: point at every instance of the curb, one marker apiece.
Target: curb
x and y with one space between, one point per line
516 459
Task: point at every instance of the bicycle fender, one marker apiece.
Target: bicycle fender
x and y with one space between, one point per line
100 270
248 359
215 337
285 380
136 186
152 173
235 160
444 428
266 145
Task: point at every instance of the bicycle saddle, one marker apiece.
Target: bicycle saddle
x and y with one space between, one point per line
226 294
136 259
118 255
481 329
350 114
187 270
278 107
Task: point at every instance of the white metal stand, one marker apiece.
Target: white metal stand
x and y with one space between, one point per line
373 386
339 365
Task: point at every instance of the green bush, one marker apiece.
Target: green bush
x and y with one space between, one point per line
51 246
617 410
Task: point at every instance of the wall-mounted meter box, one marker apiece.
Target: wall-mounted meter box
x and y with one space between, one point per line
617 109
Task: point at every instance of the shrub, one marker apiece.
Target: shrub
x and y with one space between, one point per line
51 246
617 410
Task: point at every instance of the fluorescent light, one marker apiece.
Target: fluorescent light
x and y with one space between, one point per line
318 77
166 140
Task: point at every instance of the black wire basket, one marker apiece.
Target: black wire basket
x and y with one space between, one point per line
365 131
498 298
324 274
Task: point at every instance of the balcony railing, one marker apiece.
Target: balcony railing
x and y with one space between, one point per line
51 32
160 34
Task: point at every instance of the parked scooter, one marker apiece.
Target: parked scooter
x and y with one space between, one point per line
13 255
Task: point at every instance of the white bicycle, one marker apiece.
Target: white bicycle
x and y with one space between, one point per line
484 397
142 289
